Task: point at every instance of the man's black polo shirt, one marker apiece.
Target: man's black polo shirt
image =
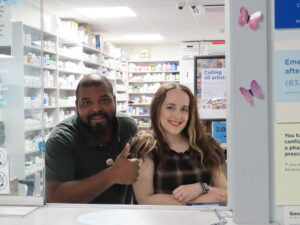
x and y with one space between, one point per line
73 153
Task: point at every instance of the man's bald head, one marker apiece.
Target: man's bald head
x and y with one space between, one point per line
93 80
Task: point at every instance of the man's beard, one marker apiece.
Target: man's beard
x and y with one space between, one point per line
100 127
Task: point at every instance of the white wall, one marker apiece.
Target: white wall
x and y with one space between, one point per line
28 12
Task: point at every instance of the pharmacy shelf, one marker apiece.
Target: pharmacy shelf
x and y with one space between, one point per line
145 61
139 104
89 49
158 71
144 126
33 47
50 88
106 54
90 60
140 116
49 52
33 108
91 63
31 151
151 81
67 41
38 66
50 107
148 75
28 174
38 49
33 87
67 106
141 93
67 88
70 58
69 71
49 68
107 67
33 129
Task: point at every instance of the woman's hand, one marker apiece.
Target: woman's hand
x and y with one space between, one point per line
187 193
215 195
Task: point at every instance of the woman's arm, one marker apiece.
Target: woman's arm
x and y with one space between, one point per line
217 192
143 188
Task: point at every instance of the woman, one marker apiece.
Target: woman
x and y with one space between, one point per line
180 162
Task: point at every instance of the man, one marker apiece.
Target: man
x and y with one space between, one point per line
87 154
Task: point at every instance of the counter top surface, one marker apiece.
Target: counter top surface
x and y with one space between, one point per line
78 214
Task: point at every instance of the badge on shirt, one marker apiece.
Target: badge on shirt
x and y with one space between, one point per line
109 162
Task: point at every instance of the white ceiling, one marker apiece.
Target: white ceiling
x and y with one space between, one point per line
153 16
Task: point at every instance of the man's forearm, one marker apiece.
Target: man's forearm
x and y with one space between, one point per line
81 191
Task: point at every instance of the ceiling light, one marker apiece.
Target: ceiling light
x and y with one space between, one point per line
106 12
143 37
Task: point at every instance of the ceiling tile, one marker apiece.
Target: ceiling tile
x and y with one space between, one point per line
153 16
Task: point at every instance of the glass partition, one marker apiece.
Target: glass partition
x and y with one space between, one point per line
21 103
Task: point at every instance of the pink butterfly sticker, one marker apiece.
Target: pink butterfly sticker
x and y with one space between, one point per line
255 90
251 20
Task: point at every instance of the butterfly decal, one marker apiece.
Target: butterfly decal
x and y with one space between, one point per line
255 90
251 20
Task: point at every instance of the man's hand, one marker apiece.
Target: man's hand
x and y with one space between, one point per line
187 193
124 170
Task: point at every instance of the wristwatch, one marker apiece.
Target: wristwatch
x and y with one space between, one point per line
205 187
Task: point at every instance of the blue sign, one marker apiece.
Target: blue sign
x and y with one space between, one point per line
14 2
219 131
287 14
287 75
41 146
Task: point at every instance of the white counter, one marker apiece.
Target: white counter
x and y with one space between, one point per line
67 214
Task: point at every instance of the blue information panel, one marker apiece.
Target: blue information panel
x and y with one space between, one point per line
219 131
287 75
287 14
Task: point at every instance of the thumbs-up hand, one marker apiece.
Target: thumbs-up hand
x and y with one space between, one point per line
125 152
125 171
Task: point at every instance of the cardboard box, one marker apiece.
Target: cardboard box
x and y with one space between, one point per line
88 33
68 29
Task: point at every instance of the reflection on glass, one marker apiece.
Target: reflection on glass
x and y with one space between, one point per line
21 97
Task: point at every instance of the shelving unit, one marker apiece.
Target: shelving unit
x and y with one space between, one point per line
144 78
34 62
23 108
122 86
47 69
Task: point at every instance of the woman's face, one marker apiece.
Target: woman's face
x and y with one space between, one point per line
174 112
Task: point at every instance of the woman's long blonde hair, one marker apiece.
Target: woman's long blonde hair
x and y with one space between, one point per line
210 151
